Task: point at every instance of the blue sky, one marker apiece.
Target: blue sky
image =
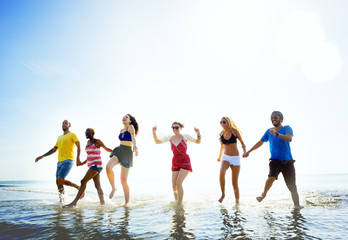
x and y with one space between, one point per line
192 61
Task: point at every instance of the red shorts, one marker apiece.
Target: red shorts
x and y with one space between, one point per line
181 162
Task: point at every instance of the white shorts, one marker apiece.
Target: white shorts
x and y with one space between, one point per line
232 160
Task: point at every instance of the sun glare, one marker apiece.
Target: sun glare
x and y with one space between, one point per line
322 64
301 40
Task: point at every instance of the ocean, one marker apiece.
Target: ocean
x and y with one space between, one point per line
30 210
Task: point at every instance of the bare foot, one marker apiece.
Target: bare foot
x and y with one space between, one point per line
221 198
69 205
260 198
112 192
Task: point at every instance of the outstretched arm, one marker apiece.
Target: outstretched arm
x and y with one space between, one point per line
157 140
198 136
154 129
53 150
101 144
192 139
256 146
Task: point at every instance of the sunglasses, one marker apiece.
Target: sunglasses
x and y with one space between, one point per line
224 122
176 128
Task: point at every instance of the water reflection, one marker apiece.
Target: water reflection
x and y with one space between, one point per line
123 225
91 224
298 226
179 225
117 228
64 223
294 226
233 224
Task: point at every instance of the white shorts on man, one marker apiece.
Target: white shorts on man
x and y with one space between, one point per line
232 160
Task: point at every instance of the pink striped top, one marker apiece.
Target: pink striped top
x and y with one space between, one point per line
93 156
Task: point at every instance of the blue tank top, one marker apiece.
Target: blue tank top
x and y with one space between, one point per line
125 136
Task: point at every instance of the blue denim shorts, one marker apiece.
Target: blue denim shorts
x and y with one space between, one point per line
94 167
63 168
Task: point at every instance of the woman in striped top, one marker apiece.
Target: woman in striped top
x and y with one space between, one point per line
94 163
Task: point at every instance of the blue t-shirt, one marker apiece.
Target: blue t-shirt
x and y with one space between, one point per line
279 148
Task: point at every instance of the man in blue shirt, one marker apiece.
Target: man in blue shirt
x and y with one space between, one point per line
281 161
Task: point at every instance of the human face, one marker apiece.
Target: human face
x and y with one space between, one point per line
65 125
89 134
176 128
126 119
223 123
275 119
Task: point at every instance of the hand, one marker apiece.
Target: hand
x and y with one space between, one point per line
38 158
135 152
84 162
78 162
271 130
246 154
219 159
197 131
154 129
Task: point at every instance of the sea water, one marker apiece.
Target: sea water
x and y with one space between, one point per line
31 210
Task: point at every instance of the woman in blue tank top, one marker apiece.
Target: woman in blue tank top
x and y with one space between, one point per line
123 155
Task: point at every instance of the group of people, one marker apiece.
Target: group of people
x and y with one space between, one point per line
122 155
278 136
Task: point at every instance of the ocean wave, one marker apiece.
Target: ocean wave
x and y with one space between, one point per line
325 199
17 189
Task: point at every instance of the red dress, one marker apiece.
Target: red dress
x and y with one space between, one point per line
180 158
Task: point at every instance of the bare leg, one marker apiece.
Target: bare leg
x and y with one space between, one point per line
175 187
224 166
268 186
70 184
124 176
235 175
60 184
97 185
181 177
295 199
89 175
290 180
60 187
111 176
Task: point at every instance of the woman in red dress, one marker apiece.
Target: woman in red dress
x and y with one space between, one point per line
181 164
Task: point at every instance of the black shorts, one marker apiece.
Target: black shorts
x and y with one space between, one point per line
287 169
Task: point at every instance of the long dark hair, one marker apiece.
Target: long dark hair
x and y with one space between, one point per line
134 123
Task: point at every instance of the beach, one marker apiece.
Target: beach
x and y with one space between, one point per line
30 210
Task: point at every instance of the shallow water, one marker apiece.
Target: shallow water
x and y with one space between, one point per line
31 210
